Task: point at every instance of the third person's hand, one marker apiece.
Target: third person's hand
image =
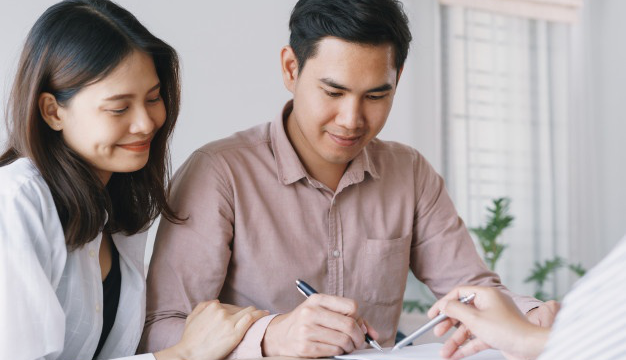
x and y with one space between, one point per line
492 320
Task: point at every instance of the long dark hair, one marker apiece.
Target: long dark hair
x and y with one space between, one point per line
74 44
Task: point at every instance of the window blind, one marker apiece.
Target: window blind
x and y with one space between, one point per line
551 10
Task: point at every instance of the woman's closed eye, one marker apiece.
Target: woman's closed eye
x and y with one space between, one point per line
118 111
155 100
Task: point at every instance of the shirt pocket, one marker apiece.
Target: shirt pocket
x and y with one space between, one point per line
385 270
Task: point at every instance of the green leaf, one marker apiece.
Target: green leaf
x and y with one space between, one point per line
497 221
540 295
578 269
541 272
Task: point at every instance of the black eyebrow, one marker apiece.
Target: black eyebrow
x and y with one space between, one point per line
126 96
331 83
381 88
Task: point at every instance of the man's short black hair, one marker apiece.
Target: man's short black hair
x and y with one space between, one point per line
371 22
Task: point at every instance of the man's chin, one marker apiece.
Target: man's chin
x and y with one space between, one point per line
340 159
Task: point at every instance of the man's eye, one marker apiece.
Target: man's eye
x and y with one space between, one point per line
332 94
376 97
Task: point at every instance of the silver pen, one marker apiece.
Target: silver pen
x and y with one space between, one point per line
429 325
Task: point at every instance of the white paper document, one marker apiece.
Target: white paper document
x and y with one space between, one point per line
419 352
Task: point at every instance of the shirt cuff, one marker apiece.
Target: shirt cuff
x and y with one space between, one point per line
527 303
250 345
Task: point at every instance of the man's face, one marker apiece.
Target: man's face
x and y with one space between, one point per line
342 99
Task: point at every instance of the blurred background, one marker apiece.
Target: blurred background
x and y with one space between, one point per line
515 99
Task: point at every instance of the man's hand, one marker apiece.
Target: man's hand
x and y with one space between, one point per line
545 314
321 326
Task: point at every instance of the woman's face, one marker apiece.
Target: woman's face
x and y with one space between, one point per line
110 123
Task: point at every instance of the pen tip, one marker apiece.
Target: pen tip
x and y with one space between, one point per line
376 346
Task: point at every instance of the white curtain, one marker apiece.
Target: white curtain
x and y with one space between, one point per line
505 131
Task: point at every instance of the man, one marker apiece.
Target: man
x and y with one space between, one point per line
314 195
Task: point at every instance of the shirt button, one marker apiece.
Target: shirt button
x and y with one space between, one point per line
98 308
336 253
92 253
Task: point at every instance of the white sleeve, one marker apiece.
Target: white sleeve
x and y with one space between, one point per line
33 322
592 319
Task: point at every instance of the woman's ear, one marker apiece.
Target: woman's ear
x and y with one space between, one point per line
49 109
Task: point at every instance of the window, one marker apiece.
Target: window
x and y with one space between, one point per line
504 130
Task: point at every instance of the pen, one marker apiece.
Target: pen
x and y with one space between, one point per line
307 291
429 325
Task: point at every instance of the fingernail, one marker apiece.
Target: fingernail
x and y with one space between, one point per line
364 328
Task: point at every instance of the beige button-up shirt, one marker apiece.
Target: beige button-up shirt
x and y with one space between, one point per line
258 221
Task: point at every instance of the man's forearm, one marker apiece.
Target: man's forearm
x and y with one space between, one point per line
161 332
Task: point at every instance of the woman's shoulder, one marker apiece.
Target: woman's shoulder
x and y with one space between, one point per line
27 208
19 176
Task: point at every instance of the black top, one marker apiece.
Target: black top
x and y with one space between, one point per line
111 294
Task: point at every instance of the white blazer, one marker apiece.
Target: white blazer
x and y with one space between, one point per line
51 299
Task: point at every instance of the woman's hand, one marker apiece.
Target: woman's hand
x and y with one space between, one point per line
212 331
492 322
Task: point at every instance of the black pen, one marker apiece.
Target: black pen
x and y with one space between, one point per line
307 291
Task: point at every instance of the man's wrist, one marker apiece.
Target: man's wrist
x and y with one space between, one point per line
270 344
172 353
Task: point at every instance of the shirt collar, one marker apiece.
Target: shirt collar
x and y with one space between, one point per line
361 164
289 167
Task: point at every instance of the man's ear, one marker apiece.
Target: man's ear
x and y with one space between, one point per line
49 109
289 66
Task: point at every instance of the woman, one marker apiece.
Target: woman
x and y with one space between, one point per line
94 102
